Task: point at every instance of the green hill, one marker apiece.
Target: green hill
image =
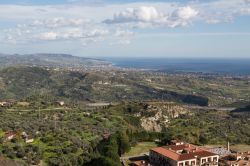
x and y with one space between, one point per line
36 82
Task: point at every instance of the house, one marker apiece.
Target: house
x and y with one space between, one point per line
176 142
238 163
9 135
3 103
182 154
7 103
244 155
237 159
27 138
60 103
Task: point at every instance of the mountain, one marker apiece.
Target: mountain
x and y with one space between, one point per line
50 60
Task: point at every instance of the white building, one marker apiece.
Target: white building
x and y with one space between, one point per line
182 154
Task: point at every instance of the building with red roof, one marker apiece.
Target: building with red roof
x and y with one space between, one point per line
182 154
9 135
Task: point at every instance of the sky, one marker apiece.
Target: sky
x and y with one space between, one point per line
127 28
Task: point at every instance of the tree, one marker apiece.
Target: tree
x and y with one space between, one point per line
167 137
103 161
203 139
20 153
123 142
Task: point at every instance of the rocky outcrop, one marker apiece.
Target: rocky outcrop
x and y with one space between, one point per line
156 116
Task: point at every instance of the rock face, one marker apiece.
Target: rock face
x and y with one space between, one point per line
157 116
155 123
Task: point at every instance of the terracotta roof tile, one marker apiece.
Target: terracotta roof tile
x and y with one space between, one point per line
166 152
192 152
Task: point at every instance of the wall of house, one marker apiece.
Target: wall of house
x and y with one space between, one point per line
212 158
187 162
160 160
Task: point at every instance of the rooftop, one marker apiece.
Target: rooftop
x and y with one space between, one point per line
183 152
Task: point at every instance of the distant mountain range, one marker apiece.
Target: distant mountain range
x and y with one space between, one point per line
49 60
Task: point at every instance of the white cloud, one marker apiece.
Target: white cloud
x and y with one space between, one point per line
141 14
121 42
185 13
85 22
222 11
151 17
123 33
47 36
59 22
245 11
212 21
71 34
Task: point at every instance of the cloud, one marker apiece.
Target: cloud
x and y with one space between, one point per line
222 11
71 34
245 11
185 13
213 21
247 1
59 22
119 21
48 36
121 42
123 33
141 14
146 16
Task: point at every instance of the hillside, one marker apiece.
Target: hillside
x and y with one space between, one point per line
50 60
33 83
142 106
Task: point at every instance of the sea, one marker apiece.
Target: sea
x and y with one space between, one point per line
205 65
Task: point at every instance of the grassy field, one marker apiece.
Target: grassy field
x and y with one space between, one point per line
240 148
140 148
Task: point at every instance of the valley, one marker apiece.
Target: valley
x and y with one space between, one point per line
54 116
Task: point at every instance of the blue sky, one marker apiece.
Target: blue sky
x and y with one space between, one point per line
127 28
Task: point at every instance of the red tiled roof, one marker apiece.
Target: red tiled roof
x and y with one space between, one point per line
192 152
204 153
166 152
8 134
180 147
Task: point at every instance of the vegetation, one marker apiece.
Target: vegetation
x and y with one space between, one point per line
141 147
111 149
34 84
211 127
75 133
65 136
